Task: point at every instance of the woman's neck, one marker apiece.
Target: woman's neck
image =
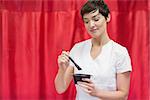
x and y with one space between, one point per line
101 40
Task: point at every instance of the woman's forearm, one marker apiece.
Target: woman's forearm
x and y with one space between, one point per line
112 95
60 83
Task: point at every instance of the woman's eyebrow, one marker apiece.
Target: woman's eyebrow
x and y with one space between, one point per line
92 17
85 19
95 15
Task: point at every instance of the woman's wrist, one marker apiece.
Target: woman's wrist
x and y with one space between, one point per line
61 71
97 93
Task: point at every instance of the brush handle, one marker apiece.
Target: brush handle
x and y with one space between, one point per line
78 67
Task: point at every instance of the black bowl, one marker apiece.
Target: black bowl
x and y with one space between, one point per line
78 77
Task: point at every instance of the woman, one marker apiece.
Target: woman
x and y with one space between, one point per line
107 61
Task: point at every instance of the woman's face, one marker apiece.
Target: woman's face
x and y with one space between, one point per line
95 23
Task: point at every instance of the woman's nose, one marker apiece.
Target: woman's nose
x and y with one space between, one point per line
92 24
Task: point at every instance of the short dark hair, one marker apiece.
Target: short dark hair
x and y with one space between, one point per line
92 5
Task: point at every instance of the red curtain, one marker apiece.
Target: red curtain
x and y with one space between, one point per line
34 32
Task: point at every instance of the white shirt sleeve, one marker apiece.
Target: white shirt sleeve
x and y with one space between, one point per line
72 53
123 63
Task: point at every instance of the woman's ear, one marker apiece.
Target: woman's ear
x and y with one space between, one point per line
108 18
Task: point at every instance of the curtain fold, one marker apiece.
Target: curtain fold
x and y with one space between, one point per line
33 34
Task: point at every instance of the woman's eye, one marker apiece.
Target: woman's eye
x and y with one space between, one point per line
86 22
97 19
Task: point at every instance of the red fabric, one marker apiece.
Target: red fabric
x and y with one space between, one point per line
33 33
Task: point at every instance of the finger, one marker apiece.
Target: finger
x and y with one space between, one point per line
91 85
65 53
66 57
86 90
64 60
87 80
84 85
63 56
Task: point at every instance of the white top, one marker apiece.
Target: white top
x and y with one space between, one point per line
113 59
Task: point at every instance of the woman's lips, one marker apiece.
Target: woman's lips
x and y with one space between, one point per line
93 30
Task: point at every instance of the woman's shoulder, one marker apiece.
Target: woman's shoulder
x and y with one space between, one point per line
79 46
82 43
118 48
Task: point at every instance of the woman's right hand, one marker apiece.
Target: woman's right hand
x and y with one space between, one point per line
63 60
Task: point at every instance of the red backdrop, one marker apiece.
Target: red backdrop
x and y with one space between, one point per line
34 32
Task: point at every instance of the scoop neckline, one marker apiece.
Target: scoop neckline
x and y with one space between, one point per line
103 47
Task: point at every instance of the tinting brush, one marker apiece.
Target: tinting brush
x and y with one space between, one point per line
79 68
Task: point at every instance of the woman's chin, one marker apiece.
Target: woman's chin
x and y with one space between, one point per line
95 35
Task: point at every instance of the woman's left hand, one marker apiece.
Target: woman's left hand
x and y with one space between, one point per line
88 87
